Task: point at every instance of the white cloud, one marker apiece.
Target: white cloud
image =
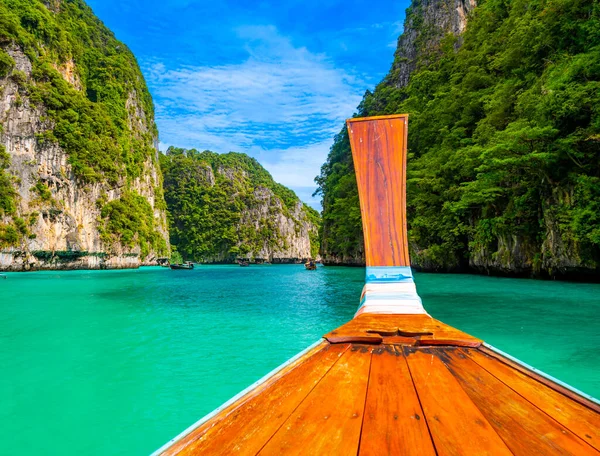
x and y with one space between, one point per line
298 166
283 104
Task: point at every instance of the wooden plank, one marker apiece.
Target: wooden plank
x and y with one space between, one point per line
329 420
545 381
379 153
526 429
394 423
245 426
373 328
399 340
457 425
579 419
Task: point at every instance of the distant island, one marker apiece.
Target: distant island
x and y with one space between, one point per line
223 207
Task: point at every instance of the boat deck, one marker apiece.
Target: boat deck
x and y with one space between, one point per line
393 380
401 385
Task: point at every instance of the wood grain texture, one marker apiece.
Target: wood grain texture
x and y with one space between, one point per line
377 328
394 423
457 425
379 153
541 379
579 419
525 428
328 422
282 391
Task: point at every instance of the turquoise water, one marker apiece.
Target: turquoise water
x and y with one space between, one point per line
118 362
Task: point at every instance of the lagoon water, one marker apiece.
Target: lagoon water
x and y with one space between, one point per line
118 362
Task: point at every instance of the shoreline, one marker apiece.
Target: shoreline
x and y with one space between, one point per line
581 276
102 261
568 277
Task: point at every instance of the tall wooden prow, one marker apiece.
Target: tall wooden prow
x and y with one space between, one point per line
379 146
394 380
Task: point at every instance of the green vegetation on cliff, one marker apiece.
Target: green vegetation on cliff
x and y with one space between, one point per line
504 142
223 206
129 221
10 233
91 117
93 102
7 194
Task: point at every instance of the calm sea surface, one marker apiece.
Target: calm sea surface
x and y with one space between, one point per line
118 362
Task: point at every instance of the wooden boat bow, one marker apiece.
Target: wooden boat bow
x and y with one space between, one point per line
394 380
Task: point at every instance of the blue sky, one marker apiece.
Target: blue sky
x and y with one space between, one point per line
273 79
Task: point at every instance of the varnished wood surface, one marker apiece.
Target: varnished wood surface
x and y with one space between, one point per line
421 329
191 443
518 421
450 421
574 416
394 422
256 420
329 420
379 154
399 399
543 380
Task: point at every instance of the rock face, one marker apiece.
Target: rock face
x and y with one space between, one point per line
557 257
227 207
292 229
427 22
503 173
61 218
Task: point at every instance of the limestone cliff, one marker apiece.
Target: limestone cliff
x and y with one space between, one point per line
81 183
503 141
427 22
226 206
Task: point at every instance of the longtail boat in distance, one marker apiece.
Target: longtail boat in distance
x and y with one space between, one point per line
310 265
394 380
186 265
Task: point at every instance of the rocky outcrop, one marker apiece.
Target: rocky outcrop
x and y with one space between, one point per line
344 260
227 207
58 215
427 22
558 256
290 237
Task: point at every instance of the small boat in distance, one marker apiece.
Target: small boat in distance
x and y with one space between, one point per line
310 265
186 265
243 263
163 262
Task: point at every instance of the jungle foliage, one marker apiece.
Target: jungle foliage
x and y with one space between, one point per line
207 195
7 193
91 124
504 142
9 232
103 117
129 221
